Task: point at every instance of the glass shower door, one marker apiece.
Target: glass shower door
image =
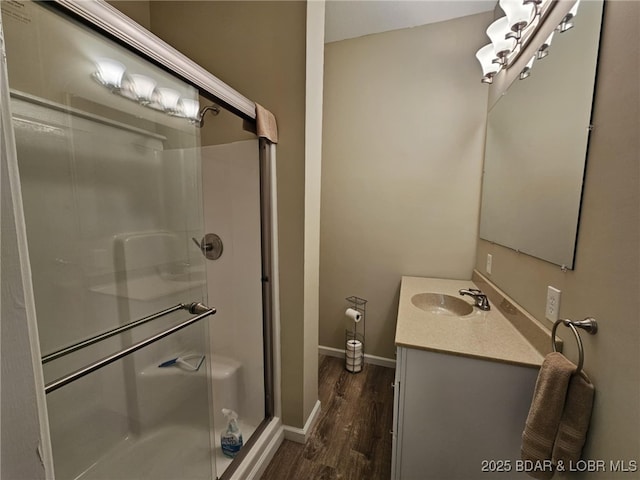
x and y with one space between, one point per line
111 183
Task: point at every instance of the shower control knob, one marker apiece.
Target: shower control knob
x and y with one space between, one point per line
210 246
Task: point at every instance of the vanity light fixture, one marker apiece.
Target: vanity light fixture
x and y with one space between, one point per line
144 90
503 44
526 71
167 100
539 5
509 35
189 108
543 51
567 21
109 73
520 14
489 68
140 88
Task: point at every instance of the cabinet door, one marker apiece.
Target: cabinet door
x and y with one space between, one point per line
456 413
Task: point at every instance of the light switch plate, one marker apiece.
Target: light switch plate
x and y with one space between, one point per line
553 303
489 263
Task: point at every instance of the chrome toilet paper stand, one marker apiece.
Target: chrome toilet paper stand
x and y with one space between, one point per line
359 304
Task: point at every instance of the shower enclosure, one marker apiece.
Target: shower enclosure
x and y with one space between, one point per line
147 223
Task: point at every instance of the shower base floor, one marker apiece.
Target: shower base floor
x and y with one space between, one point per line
170 453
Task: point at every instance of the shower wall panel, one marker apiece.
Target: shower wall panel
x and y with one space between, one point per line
231 187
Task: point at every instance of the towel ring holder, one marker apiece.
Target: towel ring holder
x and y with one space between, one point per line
589 324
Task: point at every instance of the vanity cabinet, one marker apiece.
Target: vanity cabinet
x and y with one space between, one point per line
457 417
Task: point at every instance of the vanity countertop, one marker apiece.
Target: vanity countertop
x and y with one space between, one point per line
487 335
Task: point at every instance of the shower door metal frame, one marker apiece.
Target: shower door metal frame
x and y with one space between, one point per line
110 22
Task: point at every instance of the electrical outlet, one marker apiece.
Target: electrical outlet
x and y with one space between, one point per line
489 263
553 303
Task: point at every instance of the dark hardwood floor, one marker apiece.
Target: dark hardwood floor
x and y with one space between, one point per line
351 439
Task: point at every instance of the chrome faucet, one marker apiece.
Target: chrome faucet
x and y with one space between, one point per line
480 298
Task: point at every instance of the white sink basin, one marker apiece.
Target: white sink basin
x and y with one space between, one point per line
441 304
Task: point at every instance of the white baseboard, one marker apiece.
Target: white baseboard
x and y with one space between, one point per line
255 464
371 359
300 435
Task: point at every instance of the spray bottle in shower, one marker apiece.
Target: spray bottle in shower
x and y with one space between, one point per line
231 438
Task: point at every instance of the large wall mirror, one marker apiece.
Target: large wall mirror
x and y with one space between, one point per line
537 135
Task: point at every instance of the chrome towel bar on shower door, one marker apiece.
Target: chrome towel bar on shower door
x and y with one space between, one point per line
199 308
110 333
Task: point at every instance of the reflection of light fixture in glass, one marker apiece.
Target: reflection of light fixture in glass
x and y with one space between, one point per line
526 71
567 22
523 19
109 73
489 68
189 108
140 88
543 51
167 99
143 89
519 15
502 46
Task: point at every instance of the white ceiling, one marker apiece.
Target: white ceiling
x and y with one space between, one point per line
355 18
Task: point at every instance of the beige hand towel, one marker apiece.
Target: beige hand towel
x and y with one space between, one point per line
575 420
546 410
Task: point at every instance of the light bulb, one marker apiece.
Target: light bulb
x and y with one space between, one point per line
109 73
489 68
141 88
519 14
167 99
189 108
567 21
543 51
526 71
497 32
